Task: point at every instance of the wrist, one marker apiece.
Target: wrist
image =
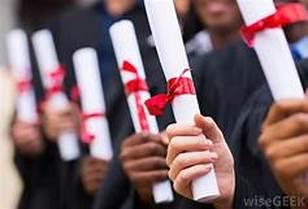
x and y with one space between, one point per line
226 200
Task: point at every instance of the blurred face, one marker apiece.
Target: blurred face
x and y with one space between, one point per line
182 7
118 7
218 15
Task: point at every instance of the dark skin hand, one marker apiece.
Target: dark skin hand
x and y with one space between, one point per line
284 141
56 121
143 159
93 173
27 138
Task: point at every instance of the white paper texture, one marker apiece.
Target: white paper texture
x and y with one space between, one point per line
126 48
19 61
48 62
273 51
92 99
169 43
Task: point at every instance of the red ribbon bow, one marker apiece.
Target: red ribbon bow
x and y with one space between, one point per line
175 87
86 136
134 87
24 85
285 15
56 77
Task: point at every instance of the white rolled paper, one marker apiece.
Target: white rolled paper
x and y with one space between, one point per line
19 61
273 51
126 48
169 43
92 100
48 62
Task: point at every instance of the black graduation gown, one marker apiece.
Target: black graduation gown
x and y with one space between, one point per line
41 175
116 187
250 160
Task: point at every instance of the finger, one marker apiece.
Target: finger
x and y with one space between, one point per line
143 150
187 144
182 130
285 108
183 181
288 148
288 128
147 164
210 128
150 177
190 159
135 139
292 167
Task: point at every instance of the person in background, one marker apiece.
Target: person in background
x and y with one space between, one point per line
37 158
283 141
32 14
111 189
219 26
242 136
10 182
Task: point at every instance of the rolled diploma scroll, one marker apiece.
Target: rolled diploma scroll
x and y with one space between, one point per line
48 61
273 51
126 48
169 43
19 61
92 100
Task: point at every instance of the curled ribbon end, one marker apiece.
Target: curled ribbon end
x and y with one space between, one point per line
87 138
156 105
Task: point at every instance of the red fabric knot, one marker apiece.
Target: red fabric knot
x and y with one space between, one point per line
285 15
75 94
56 78
24 85
86 136
134 87
175 87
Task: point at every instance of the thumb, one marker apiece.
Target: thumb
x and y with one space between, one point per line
210 128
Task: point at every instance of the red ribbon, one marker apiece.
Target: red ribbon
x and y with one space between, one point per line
134 87
56 77
75 94
285 15
175 87
24 85
86 136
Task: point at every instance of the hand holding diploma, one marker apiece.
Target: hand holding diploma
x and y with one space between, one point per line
181 92
283 141
191 153
25 129
19 61
271 44
133 76
52 75
94 124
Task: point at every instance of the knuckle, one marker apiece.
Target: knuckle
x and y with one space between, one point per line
270 153
183 177
280 169
301 119
263 140
279 107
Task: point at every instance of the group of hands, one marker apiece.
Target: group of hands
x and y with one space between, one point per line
185 152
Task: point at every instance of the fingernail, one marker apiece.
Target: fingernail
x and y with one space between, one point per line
213 157
197 130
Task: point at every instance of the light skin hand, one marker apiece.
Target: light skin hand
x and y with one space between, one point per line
191 153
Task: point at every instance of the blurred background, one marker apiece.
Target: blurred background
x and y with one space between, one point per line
29 14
